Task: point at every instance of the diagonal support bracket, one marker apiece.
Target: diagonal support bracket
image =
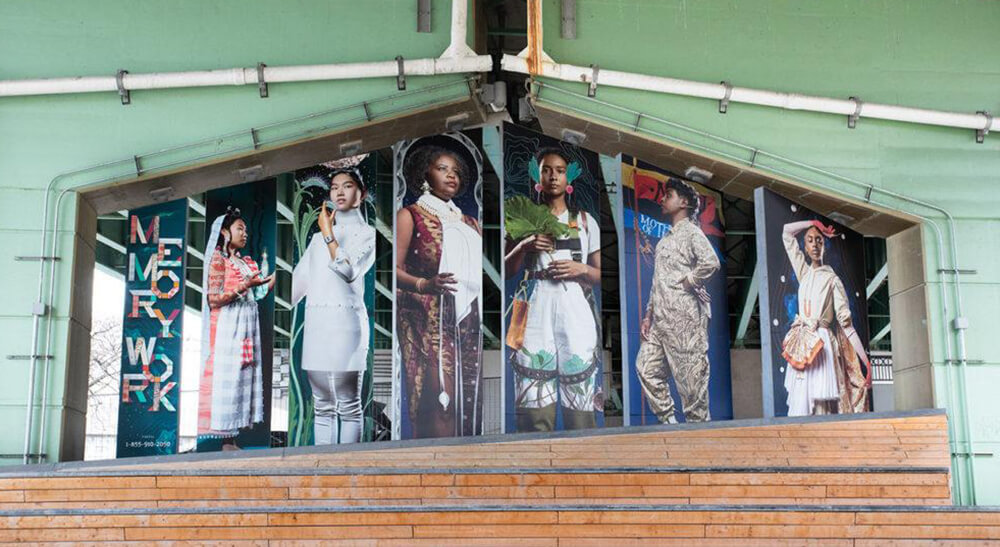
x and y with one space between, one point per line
748 306
877 281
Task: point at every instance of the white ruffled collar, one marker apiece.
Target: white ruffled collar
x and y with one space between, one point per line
444 210
350 216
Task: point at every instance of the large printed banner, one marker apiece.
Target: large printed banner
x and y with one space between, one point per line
234 398
552 264
438 338
813 312
673 283
152 330
333 294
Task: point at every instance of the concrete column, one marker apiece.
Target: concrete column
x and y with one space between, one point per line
912 372
745 370
73 424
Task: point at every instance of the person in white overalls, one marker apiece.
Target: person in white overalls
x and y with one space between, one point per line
331 277
559 361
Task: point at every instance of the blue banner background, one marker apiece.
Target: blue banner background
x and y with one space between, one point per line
637 270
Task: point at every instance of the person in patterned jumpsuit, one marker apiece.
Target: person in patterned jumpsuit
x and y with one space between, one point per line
674 330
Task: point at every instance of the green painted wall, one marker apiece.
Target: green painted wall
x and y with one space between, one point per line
41 137
938 55
921 53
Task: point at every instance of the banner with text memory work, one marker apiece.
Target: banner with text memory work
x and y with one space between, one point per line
152 329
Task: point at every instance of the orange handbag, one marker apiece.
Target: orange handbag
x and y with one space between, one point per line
518 317
801 345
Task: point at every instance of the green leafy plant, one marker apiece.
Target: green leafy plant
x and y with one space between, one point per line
300 404
525 218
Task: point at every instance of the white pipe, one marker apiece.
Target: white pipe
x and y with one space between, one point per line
30 410
787 101
30 405
969 461
247 76
459 24
54 248
457 58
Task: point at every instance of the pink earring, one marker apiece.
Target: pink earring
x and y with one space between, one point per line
569 189
538 187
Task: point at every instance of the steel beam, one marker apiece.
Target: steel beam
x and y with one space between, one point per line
285 211
881 334
748 305
492 272
877 281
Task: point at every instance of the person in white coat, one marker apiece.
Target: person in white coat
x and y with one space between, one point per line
331 277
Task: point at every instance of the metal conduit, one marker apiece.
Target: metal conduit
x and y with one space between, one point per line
126 168
756 153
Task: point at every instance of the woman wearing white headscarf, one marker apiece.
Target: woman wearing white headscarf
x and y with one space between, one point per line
822 347
231 391
331 277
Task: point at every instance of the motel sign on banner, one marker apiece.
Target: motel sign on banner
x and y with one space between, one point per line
152 330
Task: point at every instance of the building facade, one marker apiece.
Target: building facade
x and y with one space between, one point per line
66 158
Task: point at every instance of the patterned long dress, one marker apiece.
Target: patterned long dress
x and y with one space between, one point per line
231 393
419 330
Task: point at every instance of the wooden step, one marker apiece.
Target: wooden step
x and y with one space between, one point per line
913 439
480 525
844 460
776 486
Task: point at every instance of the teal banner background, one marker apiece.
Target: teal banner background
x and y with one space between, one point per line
152 328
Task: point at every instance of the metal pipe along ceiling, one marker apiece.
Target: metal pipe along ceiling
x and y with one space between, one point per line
457 58
719 92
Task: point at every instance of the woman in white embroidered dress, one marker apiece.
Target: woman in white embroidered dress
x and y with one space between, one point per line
829 379
331 277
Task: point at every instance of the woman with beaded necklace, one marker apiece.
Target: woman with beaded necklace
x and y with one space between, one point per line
438 282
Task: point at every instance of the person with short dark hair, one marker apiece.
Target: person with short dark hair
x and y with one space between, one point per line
674 330
331 277
823 350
